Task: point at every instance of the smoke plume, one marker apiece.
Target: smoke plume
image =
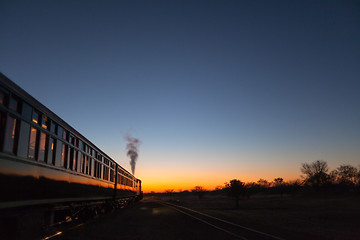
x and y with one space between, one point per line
132 151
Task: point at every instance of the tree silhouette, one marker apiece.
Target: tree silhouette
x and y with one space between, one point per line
279 185
250 189
263 183
316 173
235 189
200 191
346 176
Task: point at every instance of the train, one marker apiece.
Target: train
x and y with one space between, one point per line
46 164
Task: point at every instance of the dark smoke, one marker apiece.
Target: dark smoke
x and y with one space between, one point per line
132 147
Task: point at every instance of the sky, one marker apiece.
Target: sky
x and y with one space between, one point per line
215 90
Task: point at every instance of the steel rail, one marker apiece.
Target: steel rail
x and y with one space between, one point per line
203 221
227 222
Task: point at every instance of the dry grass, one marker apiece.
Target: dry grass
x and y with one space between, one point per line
300 217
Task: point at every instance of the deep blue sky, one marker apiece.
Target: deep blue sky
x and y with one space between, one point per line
243 89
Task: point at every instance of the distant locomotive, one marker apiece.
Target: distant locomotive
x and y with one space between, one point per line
45 162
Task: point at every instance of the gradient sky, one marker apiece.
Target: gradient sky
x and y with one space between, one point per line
215 90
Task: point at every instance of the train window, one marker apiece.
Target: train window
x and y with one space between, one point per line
45 122
112 176
14 104
106 173
86 165
82 160
71 139
65 134
97 169
32 145
101 167
64 156
79 161
71 158
90 166
51 151
2 98
23 145
11 134
80 144
2 128
52 126
35 117
26 111
44 140
59 131
75 160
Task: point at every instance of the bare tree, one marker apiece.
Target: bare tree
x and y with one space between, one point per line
345 175
316 173
235 189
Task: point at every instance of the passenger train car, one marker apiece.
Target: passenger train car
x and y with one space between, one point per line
46 162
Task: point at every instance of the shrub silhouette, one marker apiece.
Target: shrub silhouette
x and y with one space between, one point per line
235 189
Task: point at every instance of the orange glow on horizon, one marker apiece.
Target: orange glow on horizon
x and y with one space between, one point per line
180 174
178 182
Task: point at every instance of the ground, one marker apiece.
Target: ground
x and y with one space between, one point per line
288 217
291 217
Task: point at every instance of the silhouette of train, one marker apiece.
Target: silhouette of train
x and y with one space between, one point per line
47 164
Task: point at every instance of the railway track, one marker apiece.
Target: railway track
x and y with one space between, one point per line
233 229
